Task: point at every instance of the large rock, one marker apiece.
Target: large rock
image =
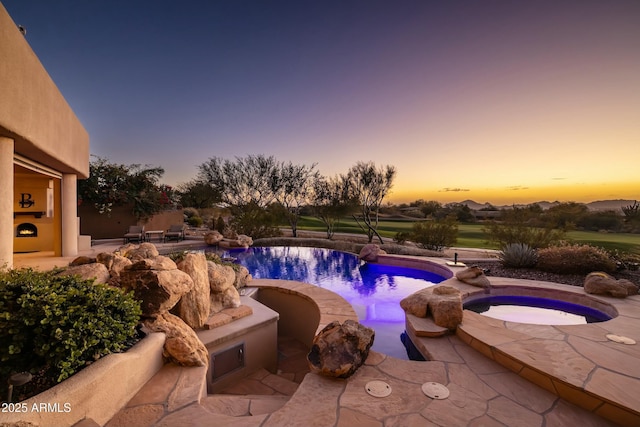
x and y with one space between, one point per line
600 283
370 252
445 307
222 284
243 277
339 350
95 271
159 290
115 263
213 238
474 276
417 303
194 306
136 253
182 346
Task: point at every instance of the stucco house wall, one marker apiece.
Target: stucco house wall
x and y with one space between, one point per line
40 136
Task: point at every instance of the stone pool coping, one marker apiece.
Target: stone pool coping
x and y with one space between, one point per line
575 362
490 393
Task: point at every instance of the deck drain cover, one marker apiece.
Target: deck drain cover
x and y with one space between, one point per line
621 339
435 390
378 388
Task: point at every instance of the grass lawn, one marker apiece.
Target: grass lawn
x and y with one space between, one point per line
471 235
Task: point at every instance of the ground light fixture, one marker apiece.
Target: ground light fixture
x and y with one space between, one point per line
18 379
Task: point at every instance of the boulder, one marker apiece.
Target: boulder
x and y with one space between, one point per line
182 346
474 276
417 303
213 238
159 290
221 276
229 298
95 271
158 263
600 283
194 306
445 307
339 350
243 277
115 263
144 250
82 260
244 241
370 252
224 294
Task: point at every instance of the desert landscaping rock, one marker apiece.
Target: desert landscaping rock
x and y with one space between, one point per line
600 283
194 306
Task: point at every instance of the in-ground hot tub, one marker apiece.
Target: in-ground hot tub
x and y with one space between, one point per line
540 306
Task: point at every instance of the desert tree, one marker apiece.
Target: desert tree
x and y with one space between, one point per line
292 187
330 201
198 194
247 185
110 184
369 185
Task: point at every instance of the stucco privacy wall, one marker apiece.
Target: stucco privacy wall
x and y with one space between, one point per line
37 125
33 111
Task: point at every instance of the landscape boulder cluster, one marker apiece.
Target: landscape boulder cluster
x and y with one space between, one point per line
176 298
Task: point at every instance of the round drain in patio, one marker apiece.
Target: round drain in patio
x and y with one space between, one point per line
435 390
378 388
621 339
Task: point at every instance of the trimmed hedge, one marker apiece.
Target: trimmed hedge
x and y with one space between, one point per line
59 324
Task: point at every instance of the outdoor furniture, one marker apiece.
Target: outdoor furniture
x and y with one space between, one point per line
136 232
159 234
175 232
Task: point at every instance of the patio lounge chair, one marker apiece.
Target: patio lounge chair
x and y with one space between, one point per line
176 232
136 232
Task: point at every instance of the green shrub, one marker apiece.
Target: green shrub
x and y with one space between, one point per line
401 237
518 255
59 324
575 259
535 237
436 234
194 221
190 212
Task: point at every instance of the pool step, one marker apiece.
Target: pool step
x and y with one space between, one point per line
424 327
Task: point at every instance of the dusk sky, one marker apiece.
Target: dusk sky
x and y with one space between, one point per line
495 101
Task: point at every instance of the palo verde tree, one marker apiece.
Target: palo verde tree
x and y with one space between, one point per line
110 185
369 185
292 187
246 184
330 201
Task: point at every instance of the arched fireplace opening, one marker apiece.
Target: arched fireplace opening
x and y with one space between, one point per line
27 230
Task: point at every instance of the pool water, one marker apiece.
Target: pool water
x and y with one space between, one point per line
535 310
373 290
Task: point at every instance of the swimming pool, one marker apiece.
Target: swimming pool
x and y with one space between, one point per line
374 291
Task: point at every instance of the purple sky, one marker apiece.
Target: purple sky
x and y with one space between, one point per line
499 101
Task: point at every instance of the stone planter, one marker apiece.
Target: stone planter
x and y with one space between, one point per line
97 392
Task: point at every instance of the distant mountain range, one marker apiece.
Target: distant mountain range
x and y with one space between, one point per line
599 205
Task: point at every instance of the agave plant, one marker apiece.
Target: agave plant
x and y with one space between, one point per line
518 255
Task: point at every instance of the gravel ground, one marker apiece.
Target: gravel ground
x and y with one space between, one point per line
494 268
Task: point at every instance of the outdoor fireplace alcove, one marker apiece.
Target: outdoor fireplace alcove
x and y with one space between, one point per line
27 230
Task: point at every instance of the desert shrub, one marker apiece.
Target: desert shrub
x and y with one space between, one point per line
512 232
436 234
625 260
256 221
59 324
220 224
190 212
195 221
518 255
401 237
575 259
